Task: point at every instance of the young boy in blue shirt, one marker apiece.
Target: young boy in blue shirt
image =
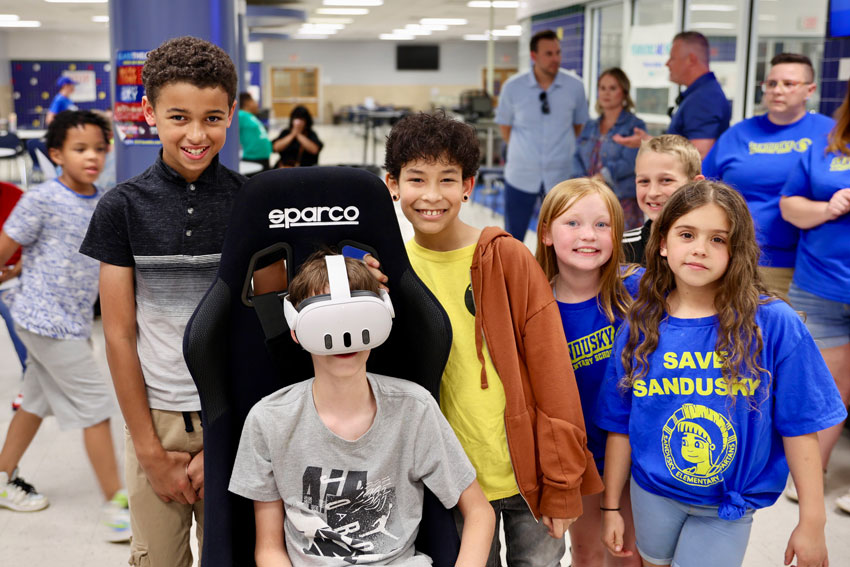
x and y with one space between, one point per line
53 315
336 465
508 389
158 237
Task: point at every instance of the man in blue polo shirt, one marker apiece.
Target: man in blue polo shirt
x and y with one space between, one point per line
702 112
540 114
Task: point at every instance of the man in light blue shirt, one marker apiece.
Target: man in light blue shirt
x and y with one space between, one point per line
540 114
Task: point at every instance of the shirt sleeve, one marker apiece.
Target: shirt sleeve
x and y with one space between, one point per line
806 397
440 461
107 239
614 405
26 220
505 111
252 475
799 182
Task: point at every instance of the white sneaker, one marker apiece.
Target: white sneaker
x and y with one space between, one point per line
843 502
116 518
791 490
18 495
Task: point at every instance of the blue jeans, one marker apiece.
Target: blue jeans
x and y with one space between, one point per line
519 205
7 317
669 532
527 540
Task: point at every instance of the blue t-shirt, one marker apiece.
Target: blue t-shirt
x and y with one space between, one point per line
755 157
689 443
823 257
704 111
590 337
61 103
58 284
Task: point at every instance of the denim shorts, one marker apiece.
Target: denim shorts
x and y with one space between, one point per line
669 532
828 321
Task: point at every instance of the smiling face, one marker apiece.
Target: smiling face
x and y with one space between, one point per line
81 156
581 236
790 101
191 124
696 449
657 176
697 248
430 194
609 93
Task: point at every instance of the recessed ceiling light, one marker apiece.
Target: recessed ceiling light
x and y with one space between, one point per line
443 21
343 11
495 4
100 19
9 17
477 37
395 37
20 24
412 32
353 2
330 20
431 27
506 33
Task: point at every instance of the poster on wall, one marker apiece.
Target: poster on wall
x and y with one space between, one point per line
130 125
86 87
649 50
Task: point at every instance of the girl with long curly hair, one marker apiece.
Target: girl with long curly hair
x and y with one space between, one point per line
713 385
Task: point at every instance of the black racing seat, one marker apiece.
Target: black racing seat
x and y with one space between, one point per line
237 344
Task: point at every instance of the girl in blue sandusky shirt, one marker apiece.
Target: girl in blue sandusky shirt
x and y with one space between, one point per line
714 390
816 199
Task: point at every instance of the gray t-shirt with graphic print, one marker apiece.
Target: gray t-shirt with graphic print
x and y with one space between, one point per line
351 502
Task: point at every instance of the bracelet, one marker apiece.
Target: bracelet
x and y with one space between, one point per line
609 509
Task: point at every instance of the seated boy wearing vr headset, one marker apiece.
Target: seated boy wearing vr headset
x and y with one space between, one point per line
336 464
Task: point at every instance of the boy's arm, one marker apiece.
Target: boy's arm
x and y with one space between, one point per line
165 470
807 541
618 456
7 248
270 548
479 522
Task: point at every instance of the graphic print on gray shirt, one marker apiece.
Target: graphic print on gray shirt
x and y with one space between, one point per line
351 502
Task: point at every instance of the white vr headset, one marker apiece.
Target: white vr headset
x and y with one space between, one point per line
343 321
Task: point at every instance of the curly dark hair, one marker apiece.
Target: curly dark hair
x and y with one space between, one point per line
189 60
432 138
57 131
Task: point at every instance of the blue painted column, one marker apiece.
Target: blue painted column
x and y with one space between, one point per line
142 26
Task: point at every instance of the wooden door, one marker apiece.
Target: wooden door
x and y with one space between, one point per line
500 75
295 86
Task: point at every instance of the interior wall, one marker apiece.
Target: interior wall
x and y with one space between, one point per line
346 81
56 45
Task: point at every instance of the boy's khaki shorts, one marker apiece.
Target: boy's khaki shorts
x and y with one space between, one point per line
161 531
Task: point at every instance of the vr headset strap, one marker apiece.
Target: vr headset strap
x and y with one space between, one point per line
270 312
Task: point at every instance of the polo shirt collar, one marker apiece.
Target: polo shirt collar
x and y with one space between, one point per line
208 176
532 80
703 79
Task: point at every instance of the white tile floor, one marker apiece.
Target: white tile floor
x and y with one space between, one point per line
67 532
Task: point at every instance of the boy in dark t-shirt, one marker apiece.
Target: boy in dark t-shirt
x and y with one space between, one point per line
663 164
158 237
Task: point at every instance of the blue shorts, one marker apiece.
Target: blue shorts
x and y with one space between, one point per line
669 532
828 321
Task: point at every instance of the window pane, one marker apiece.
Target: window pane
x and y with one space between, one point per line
610 36
718 22
651 12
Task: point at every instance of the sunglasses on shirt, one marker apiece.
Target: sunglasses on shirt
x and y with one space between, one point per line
544 103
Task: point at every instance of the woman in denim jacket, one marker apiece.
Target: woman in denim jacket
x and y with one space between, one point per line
597 155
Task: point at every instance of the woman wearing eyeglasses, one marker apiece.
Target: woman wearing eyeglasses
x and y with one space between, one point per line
597 155
816 198
756 156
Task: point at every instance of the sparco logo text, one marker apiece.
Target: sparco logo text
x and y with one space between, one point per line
313 216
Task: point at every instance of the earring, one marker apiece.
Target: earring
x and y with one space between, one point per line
395 197
465 197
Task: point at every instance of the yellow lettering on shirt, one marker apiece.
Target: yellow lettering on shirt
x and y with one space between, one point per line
840 163
781 147
685 386
592 348
704 360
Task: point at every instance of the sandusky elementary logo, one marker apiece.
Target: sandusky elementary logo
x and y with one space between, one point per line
313 216
698 444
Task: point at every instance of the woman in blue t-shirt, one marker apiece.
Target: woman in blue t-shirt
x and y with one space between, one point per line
713 384
578 235
597 154
816 198
756 155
